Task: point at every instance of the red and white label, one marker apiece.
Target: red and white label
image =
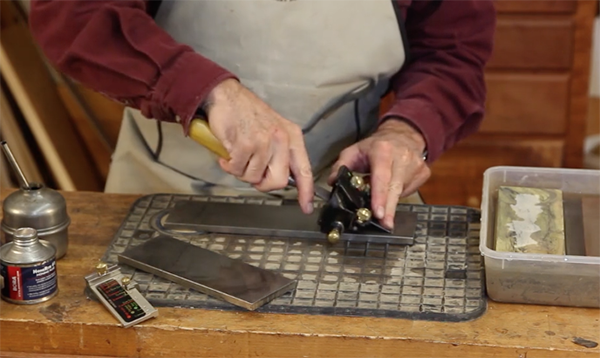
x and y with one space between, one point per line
15 283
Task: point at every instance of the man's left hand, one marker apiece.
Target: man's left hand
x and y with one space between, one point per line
394 157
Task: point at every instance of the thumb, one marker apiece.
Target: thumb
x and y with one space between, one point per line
351 157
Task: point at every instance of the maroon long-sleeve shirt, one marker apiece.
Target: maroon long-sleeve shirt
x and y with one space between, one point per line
116 48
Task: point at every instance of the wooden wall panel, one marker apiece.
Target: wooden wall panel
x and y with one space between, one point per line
580 79
457 178
526 103
535 6
534 44
593 117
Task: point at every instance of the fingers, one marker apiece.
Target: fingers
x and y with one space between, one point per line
408 173
396 186
236 166
395 173
257 165
301 170
250 160
351 158
278 169
381 177
264 147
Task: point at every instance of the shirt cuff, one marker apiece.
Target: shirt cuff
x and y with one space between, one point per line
183 87
425 118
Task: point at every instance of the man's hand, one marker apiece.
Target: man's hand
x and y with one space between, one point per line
263 146
394 157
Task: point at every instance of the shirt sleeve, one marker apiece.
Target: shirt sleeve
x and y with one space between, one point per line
117 49
442 91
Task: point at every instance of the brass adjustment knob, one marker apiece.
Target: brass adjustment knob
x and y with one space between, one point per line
363 215
357 182
125 281
334 236
101 268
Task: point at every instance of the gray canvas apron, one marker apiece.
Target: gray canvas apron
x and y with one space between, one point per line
298 56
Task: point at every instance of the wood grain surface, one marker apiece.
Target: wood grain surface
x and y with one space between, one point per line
70 324
580 78
526 103
538 6
532 43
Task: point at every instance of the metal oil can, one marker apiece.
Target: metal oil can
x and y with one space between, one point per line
35 206
40 208
28 268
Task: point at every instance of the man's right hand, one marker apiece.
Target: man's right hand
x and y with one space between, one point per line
263 146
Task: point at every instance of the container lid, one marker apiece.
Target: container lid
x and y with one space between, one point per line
26 248
38 207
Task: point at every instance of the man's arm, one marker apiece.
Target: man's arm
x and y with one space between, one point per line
116 48
442 90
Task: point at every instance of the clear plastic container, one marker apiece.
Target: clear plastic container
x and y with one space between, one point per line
560 280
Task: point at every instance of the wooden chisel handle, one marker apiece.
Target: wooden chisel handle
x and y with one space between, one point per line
200 132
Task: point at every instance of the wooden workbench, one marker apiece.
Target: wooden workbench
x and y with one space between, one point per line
70 324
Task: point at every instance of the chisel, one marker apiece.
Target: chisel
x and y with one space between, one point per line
201 133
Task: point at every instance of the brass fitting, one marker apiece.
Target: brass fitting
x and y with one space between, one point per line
334 236
125 281
363 215
357 182
101 268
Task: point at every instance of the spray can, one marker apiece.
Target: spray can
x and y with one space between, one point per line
28 267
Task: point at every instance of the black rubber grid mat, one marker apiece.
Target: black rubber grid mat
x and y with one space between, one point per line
439 278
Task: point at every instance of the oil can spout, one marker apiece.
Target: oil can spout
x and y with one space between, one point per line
13 163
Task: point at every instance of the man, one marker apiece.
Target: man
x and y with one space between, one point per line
288 86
